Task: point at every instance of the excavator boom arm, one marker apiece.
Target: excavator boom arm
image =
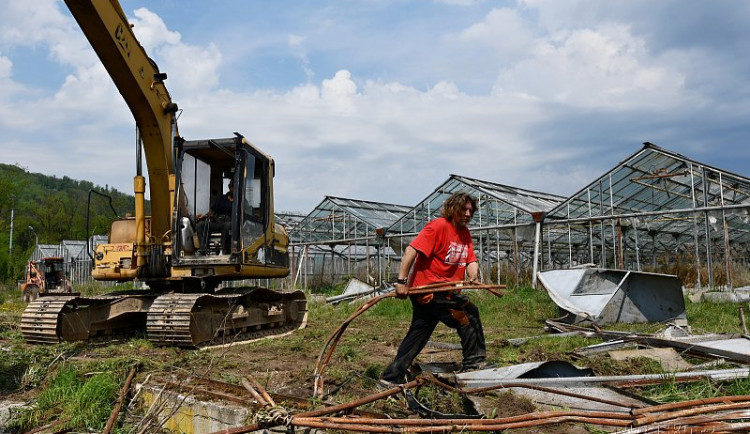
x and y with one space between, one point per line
139 81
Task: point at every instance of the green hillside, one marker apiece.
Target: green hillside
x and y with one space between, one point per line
56 210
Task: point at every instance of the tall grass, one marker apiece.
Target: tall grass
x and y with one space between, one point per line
81 401
670 390
24 367
708 317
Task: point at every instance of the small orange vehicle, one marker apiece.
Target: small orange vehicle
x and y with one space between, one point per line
45 275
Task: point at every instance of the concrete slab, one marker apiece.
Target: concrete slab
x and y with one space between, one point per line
8 411
669 359
185 414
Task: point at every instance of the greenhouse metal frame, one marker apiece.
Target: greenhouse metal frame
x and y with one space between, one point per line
654 211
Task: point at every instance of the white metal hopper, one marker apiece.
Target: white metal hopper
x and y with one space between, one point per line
609 296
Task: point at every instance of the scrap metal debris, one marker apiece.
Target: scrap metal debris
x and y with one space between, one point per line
720 414
605 296
481 379
120 400
732 347
357 290
563 393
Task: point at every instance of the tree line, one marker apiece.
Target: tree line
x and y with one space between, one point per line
49 209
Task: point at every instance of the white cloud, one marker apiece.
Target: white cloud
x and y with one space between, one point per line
504 30
41 24
562 84
607 67
296 44
340 92
394 143
30 23
151 30
296 40
7 87
460 2
446 90
5 67
190 69
553 16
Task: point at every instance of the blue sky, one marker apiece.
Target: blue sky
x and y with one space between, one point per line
383 99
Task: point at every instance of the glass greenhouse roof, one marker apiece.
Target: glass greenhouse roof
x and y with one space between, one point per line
288 220
336 219
667 198
498 204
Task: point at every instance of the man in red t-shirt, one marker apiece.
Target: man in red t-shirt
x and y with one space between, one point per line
442 252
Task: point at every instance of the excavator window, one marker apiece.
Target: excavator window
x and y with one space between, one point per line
196 186
205 167
52 273
253 224
204 176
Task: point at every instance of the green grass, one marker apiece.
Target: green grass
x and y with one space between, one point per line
391 308
86 400
671 391
80 399
24 367
707 317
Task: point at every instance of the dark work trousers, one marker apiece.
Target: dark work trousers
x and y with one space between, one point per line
456 312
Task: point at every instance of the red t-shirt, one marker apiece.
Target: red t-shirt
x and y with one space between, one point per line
445 253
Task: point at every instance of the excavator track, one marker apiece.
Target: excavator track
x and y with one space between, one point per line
39 319
172 319
55 318
239 314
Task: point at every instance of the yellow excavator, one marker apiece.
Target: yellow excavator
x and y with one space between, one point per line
182 258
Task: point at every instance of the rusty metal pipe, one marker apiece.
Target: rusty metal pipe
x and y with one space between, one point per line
561 419
335 408
433 425
372 428
366 400
330 345
260 389
691 403
714 428
688 412
249 387
118 404
510 419
480 390
696 422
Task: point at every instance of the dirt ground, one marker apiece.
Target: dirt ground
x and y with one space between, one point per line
285 365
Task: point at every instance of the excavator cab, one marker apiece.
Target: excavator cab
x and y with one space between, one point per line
248 239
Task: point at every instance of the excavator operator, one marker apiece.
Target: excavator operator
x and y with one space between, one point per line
217 219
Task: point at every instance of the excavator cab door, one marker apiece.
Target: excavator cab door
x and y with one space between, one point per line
264 243
253 191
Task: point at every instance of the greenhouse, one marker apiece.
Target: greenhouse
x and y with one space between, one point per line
654 211
343 237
